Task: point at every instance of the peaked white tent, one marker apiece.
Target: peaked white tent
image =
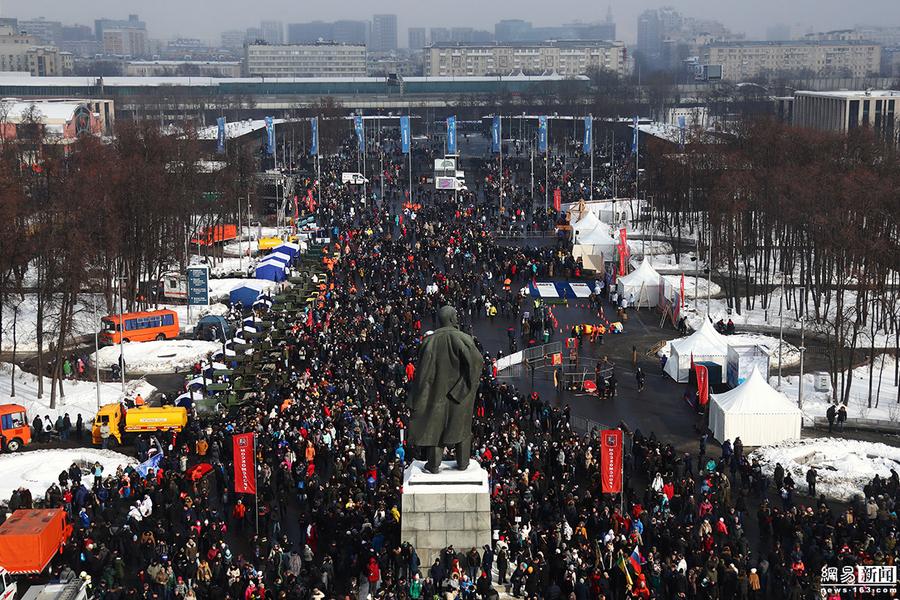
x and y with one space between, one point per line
755 412
705 345
643 282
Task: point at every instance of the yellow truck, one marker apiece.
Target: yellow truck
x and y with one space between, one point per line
128 421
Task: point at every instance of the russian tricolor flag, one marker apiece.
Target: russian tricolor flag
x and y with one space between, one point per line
636 560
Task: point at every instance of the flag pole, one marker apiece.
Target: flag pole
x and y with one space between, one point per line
500 135
256 485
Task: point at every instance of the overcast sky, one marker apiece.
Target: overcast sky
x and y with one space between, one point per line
206 18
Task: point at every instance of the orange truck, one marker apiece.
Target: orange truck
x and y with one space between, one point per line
30 538
213 235
14 427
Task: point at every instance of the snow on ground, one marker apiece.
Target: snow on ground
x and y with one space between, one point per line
690 289
196 313
843 466
649 247
81 396
26 321
165 356
226 266
667 263
37 470
243 248
815 404
790 357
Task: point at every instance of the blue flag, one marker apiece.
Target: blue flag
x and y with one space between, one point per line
681 128
270 136
495 135
150 463
404 134
634 139
451 135
220 139
588 134
542 135
360 133
314 141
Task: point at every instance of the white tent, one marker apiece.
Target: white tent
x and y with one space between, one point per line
704 345
587 222
643 282
755 412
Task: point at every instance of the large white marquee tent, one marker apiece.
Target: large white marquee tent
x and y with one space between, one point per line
704 345
755 412
643 282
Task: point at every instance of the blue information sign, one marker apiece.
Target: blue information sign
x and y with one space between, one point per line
198 285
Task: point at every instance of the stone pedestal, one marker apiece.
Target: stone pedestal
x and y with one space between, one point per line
451 508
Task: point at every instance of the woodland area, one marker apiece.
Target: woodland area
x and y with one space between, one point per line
810 213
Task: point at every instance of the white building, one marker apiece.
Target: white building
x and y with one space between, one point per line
175 68
746 60
567 58
305 60
843 111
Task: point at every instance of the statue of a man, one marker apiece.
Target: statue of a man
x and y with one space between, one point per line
442 398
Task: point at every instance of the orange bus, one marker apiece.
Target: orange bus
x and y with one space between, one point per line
14 427
140 327
213 235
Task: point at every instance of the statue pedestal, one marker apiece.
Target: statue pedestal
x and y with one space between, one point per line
451 508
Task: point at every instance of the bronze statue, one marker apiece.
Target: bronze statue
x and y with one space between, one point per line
442 398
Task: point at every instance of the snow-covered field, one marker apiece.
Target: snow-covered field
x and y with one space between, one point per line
843 466
667 263
649 247
84 322
690 290
815 404
37 470
165 356
81 396
790 356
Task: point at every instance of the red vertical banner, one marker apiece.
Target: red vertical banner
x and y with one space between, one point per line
611 460
557 199
702 384
681 300
310 203
244 465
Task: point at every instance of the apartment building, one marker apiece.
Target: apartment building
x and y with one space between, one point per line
748 59
305 60
566 58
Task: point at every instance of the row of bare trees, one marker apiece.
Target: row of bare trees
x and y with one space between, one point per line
806 213
83 221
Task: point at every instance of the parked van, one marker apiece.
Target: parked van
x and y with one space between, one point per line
14 427
124 422
140 327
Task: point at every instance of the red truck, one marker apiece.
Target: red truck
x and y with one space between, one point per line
209 236
30 538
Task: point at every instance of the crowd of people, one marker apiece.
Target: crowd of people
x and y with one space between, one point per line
325 522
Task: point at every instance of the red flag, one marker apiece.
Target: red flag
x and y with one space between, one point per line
244 466
702 384
309 318
310 203
682 290
611 460
557 199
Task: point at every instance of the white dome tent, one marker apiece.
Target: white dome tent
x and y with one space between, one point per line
704 345
593 242
755 412
643 282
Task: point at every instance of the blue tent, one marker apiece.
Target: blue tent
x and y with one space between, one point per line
288 248
279 257
270 271
247 293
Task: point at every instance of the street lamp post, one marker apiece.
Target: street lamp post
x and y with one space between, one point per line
802 347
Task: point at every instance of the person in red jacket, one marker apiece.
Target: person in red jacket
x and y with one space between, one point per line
410 371
374 576
239 513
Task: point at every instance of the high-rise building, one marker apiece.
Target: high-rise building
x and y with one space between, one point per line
416 38
350 32
567 58
512 30
384 33
272 32
125 41
48 32
254 34
133 22
308 33
439 35
76 33
234 39
650 35
305 60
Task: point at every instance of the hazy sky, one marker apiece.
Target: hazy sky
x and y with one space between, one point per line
206 18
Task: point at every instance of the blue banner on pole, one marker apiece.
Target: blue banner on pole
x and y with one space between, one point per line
404 135
588 134
495 135
270 136
542 135
360 133
314 137
451 135
220 138
151 463
681 128
634 139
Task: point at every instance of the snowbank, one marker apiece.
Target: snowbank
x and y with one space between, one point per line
83 319
884 393
165 356
37 470
790 356
81 396
843 466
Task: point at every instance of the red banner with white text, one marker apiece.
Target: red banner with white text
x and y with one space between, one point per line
702 384
244 467
611 460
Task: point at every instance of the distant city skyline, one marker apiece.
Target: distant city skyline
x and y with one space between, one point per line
168 19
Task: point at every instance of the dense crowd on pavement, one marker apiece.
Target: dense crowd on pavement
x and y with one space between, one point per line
326 520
